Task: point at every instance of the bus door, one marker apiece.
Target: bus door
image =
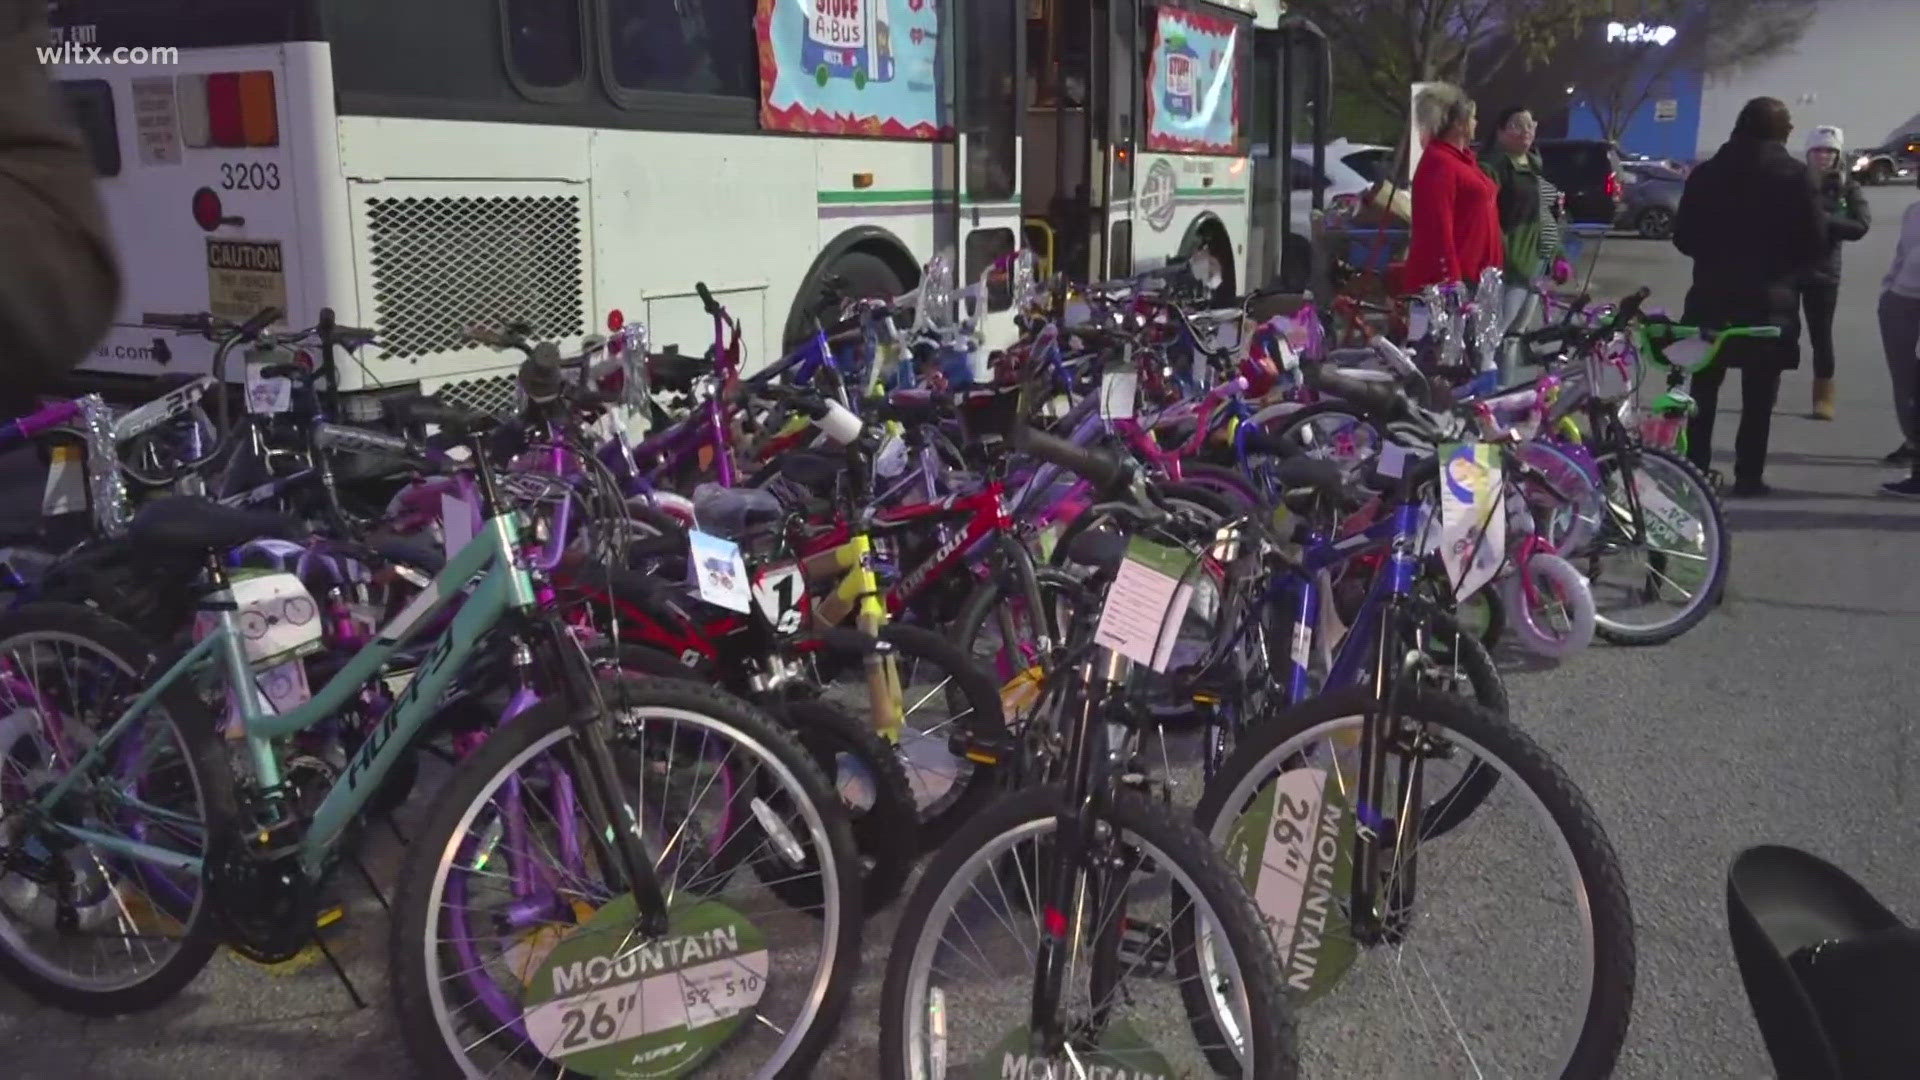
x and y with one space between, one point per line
1063 194
989 209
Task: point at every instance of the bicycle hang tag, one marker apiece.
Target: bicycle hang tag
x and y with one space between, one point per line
1688 353
891 459
267 395
1293 850
1473 528
719 571
457 522
275 614
1146 604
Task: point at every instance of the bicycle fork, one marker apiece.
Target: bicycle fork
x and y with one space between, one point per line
1383 848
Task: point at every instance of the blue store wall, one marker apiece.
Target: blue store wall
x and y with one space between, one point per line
1675 138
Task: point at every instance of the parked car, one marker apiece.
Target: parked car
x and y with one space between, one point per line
1351 168
1588 172
1898 160
1650 199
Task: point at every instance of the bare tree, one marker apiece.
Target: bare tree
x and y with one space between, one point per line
1396 43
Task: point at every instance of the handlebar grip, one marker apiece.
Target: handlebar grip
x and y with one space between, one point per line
1104 471
260 321
706 298
192 323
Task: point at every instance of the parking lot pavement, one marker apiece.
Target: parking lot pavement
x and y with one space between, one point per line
1785 718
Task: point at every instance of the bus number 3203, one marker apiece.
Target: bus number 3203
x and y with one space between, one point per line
246 176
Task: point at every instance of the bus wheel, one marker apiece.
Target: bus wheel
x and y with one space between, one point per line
821 75
860 274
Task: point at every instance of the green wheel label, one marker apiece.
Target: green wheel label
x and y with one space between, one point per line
1293 851
608 1004
1121 1055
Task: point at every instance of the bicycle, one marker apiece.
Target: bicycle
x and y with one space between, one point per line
241 858
1078 925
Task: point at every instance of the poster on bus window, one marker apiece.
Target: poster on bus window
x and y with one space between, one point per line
851 67
1193 98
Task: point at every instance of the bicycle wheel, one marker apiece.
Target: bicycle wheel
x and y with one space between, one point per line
963 948
1547 955
863 768
943 694
513 955
66 674
1234 491
1326 429
1549 605
1673 555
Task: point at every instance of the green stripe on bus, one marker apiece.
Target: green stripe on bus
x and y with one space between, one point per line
1208 191
927 195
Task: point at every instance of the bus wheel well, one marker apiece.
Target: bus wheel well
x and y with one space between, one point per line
872 260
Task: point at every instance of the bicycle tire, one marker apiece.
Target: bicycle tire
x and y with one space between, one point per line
974 696
1238 922
1557 574
547 723
205 757
1234 489
1610 1002
1716 584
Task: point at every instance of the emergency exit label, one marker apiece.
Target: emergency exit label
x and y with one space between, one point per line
244 276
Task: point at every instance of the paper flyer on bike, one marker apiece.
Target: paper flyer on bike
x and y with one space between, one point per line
1141 620
1473 527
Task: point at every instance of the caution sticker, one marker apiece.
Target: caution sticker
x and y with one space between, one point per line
244 276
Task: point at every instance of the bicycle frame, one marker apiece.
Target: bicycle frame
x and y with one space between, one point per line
505 586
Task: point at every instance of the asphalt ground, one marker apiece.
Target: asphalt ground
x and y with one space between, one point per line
1781 719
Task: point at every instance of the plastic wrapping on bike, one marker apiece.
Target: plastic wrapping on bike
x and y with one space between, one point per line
180 523
1103 470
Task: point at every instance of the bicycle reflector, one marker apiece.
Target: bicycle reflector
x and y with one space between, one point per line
227 109
615 320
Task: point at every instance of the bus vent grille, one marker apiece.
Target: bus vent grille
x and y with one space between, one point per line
498 395
444 265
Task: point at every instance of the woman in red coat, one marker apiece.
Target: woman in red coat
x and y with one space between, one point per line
1456 221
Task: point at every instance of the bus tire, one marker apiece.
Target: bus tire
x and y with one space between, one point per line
865 273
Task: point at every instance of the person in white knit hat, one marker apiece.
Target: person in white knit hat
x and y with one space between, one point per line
1847 219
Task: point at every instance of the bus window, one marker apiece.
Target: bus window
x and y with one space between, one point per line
989 69
683 46
544 45
90 101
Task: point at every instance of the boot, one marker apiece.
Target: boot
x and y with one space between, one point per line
1823 399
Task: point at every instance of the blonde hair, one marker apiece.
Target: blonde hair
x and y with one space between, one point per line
1440 107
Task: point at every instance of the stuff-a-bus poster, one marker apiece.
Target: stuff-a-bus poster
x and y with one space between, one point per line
851 67
1193 97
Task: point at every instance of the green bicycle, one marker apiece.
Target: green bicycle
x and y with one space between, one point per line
129 824
1684 351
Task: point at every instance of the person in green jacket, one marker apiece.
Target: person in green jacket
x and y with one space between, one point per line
1515 167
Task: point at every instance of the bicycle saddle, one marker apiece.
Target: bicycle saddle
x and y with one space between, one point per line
183 523
735 513
674 370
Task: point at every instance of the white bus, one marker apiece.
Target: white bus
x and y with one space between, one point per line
422 166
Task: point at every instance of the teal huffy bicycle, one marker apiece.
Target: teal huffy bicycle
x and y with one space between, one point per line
590 886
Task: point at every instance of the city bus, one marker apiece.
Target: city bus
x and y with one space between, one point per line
424 167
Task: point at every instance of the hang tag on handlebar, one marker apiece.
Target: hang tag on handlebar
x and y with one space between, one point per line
1118 390
1393 460
1686 353
267 395
1146 604
719 571
456 523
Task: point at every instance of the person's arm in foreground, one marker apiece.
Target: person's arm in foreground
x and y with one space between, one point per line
59 283
1854 216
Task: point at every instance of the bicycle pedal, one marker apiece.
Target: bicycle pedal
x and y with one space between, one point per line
306 957
984 750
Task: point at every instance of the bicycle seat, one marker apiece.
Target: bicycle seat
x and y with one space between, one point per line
735 513
812 469
178 524
1101 547
1375 394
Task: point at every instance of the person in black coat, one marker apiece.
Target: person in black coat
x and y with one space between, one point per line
1752 222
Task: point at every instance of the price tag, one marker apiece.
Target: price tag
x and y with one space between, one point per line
1119 389
456 523
267 395
1284 357
719 571
1144 606
1393 460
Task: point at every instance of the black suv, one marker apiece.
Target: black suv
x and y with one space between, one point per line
1588 171
1898 160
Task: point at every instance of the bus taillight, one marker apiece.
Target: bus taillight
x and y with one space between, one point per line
228 109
